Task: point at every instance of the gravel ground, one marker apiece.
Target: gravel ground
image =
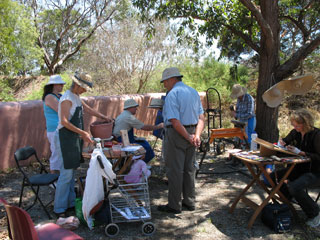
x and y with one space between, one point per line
210 220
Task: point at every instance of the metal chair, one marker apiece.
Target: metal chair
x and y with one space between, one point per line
34 181
21 226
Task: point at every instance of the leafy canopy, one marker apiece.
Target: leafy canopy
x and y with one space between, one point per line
19 53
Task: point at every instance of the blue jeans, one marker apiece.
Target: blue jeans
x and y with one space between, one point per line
296 187
65 195
251 126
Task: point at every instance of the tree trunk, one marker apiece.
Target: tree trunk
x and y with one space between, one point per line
267 118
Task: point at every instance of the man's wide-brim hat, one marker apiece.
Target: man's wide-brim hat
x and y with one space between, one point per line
169 73
130 103
83 80
55 79
156 103
237 91
296 85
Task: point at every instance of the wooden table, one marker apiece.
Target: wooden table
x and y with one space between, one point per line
256 166
124 157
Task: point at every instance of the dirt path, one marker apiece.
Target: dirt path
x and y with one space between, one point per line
210 220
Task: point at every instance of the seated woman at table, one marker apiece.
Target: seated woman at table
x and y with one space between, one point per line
303 140
127 121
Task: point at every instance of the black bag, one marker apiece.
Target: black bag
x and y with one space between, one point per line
277 217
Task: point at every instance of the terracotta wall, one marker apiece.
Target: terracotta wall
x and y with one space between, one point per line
23 123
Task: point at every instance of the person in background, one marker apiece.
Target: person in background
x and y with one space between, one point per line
50 98
127 121
183 117
304 140
69 139
244 111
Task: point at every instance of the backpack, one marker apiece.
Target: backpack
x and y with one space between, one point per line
277 217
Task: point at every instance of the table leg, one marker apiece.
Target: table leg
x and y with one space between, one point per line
241 195
275 189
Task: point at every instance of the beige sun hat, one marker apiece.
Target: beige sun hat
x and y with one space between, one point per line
296 85
156 103
169 73
55 79
237 91
299 85
130 103
274 95
83 80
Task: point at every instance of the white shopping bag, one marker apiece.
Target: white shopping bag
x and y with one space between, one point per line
94 192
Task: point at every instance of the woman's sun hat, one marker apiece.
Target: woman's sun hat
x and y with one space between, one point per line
156 103
237 91
130 103
296 85
169 73
55 79
274 95
299 85
83 80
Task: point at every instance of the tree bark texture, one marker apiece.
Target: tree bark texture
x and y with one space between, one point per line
269 61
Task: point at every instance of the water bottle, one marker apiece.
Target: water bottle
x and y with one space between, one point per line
253 145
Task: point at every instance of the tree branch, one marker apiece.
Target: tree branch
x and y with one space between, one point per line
265 28
286 69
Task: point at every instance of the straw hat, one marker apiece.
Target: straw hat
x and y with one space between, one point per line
169 73
55 79
130 103
237 91
299 85
83 80
156 103
295 85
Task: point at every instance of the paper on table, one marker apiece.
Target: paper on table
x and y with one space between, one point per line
130 148
234 150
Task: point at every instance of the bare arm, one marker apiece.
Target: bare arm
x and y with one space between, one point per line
95 113
199 129
52 102
65 109
148 127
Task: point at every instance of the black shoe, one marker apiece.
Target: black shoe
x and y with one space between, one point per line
62 215
189 208
166 208
71 209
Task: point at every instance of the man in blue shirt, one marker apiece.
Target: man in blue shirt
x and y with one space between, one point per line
184 121
244 111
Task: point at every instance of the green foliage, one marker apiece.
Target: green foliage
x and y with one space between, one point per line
37 94
18 51
52 22
208 73
6 92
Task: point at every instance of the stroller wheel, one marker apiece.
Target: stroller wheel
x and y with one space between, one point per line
148 228
111 230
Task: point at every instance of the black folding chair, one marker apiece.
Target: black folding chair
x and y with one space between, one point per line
34 181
